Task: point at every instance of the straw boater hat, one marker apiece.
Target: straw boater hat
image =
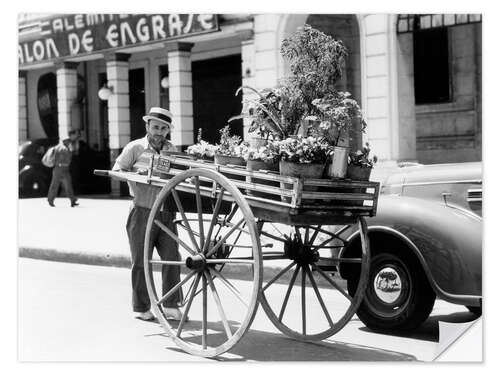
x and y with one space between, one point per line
160 114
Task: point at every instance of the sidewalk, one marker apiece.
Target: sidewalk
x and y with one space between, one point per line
91 233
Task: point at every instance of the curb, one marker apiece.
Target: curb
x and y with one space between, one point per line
123 261
93 259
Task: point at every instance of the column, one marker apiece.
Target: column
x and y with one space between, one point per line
23 112
248 77
386 89
66 95
118 108
266 50
181 93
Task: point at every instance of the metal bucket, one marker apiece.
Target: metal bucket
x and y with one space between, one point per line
338 167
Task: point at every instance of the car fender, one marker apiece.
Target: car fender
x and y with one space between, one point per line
446 240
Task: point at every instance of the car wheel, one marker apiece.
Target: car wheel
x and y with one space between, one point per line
398 295
34 187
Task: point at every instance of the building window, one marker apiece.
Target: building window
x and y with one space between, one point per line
431 66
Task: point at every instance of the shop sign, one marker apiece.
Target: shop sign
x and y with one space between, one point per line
83 34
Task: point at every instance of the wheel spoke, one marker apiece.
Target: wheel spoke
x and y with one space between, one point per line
278 275
188 293
288 291
215 295
199 208
230 286
304 299
174 236
315 234
273 236
204 317
184 218
306 236
175 288
277 230
298 234
214 219
334 284
221 241
188 306
318 295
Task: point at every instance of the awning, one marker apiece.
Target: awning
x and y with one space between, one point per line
408 23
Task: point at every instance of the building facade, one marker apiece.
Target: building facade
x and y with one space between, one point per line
416 77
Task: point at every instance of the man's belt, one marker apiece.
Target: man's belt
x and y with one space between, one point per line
62 165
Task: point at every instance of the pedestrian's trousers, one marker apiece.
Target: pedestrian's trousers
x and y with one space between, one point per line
167 250
61 174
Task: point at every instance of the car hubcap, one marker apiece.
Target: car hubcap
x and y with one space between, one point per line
387 285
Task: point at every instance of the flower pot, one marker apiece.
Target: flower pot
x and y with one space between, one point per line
302 170
257 142
225 160
233 160
338 166
356 172
255 165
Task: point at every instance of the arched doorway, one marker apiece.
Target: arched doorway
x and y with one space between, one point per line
47 104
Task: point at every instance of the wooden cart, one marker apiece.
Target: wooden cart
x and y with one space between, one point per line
226 217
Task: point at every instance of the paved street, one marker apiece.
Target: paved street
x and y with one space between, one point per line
71 312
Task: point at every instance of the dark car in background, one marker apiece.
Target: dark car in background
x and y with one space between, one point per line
34 177
425 241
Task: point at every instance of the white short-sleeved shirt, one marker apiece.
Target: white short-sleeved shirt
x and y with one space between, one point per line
133 152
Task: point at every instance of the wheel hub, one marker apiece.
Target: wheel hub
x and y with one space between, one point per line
297 251
387 285
196 262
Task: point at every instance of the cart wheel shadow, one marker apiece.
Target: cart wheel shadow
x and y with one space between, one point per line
429 330
258 345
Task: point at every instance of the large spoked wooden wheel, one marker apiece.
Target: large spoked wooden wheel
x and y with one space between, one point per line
307 299
217 241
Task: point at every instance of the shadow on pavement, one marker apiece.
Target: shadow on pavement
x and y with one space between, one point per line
429 330
258 345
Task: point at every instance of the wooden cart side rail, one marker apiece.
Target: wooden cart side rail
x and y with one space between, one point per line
249 185
237 170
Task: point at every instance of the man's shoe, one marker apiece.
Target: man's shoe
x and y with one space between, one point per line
75 203
173 313
51 204
147 316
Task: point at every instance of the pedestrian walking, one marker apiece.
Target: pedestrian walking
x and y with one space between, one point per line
60 156
158 126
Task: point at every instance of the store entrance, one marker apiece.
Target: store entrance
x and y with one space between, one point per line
214 83
137 103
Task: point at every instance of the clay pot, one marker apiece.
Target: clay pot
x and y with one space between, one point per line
356 172
306 171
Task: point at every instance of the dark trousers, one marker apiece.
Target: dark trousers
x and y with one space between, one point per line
61 175
167 250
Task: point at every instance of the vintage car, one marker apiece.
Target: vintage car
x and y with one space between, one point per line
426 242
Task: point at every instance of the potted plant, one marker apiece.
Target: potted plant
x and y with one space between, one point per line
336 112
306 104
230 149
303 156
202 149
360 164
266 158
